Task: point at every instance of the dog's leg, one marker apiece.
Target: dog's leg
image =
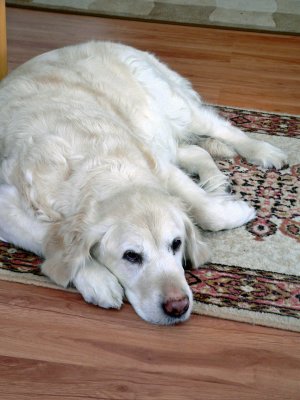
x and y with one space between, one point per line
16 225
211 212
206 122
99 286
196 160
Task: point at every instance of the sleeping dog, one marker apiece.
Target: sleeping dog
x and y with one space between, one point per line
96 141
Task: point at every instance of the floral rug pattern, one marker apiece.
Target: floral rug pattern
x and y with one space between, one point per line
275 195
244 289
262 122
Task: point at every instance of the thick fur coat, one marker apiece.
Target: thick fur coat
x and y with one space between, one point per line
95 143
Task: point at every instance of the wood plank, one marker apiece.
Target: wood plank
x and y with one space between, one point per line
243 69
3 43
52 343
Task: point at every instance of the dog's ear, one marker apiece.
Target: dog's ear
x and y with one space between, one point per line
196 251
67 248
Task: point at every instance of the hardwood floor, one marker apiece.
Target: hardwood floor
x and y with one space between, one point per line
53 345
249 70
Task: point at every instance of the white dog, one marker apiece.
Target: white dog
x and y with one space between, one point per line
92 141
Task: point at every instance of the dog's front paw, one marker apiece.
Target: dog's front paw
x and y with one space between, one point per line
221 213
99 286
262 153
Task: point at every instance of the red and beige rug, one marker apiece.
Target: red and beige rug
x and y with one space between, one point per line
254 275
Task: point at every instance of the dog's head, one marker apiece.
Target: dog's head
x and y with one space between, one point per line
141 237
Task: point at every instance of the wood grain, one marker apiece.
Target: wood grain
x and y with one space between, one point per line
3 44
244 69
53 345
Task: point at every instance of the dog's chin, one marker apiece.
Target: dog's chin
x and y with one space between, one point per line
160 318
154 313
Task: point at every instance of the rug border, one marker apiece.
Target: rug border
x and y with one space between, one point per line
282 114
250 317
232 314
31 279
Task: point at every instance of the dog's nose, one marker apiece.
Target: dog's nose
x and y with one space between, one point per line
176 307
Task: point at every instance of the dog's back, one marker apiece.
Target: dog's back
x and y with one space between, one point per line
72 109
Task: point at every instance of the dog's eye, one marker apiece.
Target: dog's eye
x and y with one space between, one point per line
175 246
133 257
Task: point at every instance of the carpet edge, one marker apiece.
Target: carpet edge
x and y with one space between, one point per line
250 317
31 279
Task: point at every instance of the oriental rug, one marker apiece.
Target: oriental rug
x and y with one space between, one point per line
254 274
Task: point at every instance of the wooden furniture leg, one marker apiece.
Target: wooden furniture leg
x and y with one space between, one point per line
3 43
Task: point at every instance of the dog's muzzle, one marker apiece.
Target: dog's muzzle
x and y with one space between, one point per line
176 307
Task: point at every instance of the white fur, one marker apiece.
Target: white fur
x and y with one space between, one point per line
92 138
